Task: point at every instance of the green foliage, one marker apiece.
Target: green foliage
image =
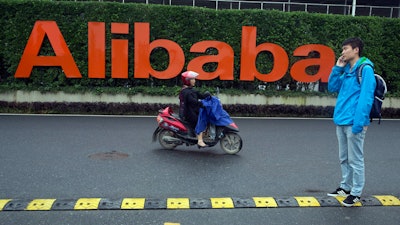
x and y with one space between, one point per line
289 30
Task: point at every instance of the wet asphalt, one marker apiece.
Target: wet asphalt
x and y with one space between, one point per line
110 157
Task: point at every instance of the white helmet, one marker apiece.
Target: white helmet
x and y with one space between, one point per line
187 76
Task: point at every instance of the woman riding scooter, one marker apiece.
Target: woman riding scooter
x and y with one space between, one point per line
190 103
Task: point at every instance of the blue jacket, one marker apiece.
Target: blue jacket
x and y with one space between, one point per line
212 112
354 101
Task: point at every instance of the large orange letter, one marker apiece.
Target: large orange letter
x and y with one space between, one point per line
62 56
224 60
119 52
326 61
248 69
143 50
97 50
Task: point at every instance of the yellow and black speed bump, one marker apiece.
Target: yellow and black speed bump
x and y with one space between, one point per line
155 204
64 204
200 203
16 205
328 201
287 202
244 203
370 201
52 204
106 203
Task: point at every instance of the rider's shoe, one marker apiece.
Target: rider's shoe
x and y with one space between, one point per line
201 145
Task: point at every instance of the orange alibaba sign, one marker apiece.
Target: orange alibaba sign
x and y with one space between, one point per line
143 48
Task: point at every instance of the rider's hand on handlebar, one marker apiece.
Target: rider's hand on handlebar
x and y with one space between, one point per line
207 94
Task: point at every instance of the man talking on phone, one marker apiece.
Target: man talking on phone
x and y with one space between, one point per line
351 116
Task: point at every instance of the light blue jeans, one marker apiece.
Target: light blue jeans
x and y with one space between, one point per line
351 156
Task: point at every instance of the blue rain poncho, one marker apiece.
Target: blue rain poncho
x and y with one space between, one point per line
212 112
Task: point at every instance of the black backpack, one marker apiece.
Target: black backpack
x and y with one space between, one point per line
379 94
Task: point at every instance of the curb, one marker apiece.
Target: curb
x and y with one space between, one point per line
187 203
20 96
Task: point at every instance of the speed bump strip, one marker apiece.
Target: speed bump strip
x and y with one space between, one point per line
287 202
87 203
268 202
388 200
3 203
220 203
307 201
154 203
200 203
106 203
178 203
133 203
327 201
243 203
341 199
188 203
16 205
40 204
64 204
370 201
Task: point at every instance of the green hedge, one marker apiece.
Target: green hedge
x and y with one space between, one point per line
185 26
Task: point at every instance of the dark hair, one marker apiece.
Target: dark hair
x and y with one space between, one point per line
355 42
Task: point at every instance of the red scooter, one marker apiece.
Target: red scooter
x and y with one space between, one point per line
172 131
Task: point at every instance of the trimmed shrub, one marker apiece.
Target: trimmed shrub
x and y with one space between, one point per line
289 30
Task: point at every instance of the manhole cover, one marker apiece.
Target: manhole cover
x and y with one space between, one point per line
109 155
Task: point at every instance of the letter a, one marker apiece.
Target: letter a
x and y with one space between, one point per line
30 57
250 50
326 61
224 59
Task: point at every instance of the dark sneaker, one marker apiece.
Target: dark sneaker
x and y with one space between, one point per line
351 200
339 192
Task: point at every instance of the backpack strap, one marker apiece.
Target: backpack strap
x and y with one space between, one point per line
359 71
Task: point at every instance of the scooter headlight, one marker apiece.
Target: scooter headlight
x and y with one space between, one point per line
159 119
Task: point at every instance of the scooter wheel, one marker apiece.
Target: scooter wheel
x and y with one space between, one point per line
231 143
163 143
